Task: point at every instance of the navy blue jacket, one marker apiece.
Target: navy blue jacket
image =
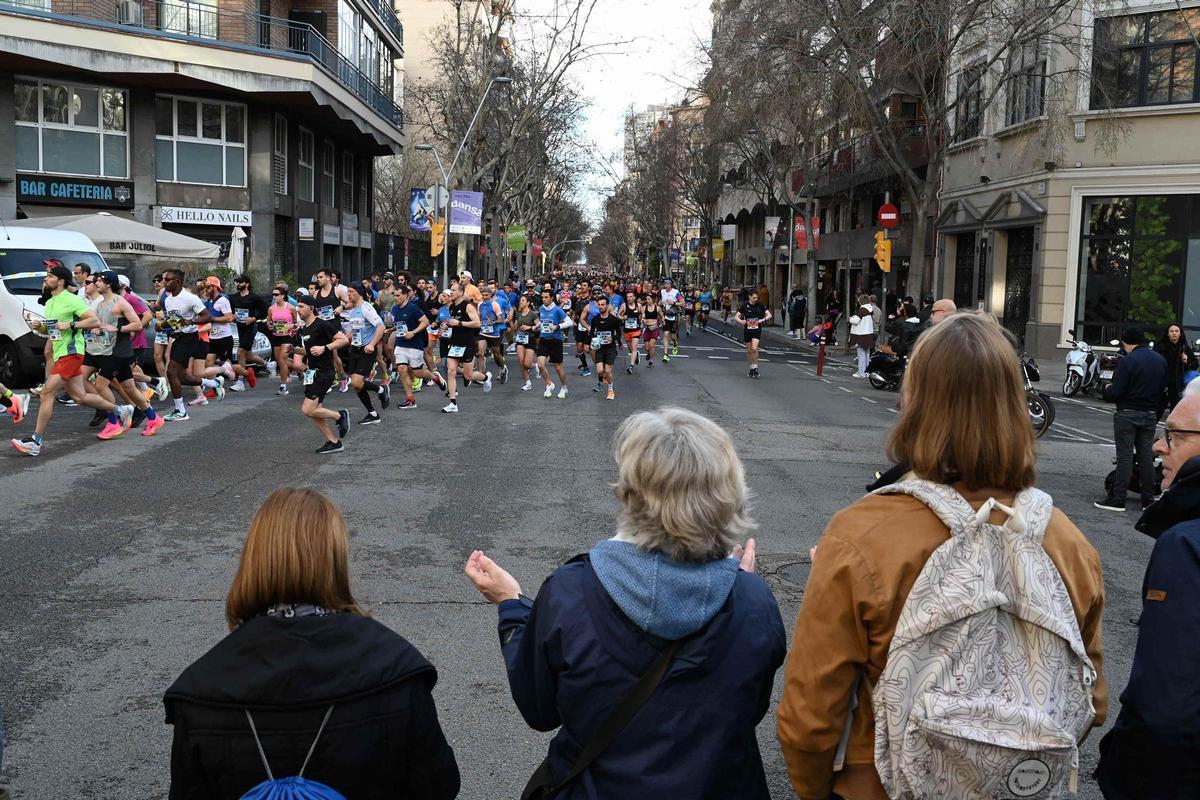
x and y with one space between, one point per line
1153 749
573 654
1139 381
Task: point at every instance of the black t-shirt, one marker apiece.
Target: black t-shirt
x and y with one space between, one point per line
319 332
612 324
753 313
255 305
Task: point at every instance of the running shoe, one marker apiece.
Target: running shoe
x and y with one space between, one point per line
371 419
220 390
599 387
211 394
549 391
283 392
176 416
504 374
237 386
152 425
451 408
611 395
138 418
344 384
227 371
527 386
418 384
387 378
149 394
64 399
385 395
251 378
487 382
666 358
649 363
439 381
585 373
37 390
675 350
537 371
27 445
408 404
330 447
97 419
415 381
198 401
162 388
343 423
20 407
125 414
111 431
629 370
562 393
271 367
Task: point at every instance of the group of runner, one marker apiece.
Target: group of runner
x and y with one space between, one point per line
371 336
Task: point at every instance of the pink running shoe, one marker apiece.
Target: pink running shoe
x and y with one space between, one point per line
111 431
152 425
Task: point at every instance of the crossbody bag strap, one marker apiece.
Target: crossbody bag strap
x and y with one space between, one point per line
622 714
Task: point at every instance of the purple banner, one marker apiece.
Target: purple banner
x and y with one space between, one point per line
466 212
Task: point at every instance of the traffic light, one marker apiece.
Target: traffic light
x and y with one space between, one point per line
883 251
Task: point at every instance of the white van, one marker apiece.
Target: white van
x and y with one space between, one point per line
23 254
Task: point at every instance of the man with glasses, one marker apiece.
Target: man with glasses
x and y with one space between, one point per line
1137 388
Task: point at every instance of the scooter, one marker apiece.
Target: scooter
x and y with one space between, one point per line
1083 367
1041 410
1135 478
886 370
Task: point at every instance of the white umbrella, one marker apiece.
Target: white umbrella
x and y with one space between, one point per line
118 235
237 250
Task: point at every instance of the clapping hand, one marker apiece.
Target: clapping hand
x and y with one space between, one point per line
492 581
745 555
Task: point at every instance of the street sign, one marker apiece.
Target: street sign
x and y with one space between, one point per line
888 216
437 195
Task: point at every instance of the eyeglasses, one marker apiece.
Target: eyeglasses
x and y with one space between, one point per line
1171 433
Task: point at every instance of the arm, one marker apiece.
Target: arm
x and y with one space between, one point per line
525 634
768 317
472 318
432 769
227 314
187 778
85 321
372 316
133 322
1119 387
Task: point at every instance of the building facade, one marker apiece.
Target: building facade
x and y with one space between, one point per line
201 117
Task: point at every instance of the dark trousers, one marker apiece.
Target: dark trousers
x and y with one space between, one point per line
1134 430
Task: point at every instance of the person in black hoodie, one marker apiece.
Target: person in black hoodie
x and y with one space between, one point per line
1153 749
299 646
1137 389
1180 358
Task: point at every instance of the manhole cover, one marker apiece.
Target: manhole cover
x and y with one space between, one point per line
795 573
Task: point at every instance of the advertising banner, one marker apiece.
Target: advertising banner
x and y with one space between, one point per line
718 249
802 233
466 212
516 237
420 210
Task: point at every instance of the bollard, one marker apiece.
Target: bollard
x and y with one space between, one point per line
821 357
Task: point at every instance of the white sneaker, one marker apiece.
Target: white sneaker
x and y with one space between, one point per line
487 383
562 393
537 371
227 371
450 408
549 391
859 375
237 386
198 401
528 385
162 389
271 368
790 335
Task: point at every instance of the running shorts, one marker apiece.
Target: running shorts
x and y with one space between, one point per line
606 355
101 363
748 335
651 333
552 349
410 357
671 325
322 381
67 367
358 361
186 346
221 348
246 334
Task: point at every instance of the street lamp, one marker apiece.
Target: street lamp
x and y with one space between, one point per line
498 79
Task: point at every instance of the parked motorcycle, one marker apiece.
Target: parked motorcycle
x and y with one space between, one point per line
886 370
1083 368
1041 410
1135 479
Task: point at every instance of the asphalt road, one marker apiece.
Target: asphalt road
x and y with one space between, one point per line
115 556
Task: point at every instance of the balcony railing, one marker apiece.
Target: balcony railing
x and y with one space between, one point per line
388 15
860 160
207 23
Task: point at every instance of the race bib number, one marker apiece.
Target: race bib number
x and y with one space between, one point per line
402 329
605 337
457 351
752 324
356 333
631 324
160 337
242 314
309 375
52 330
281 328
704 307
522 338
326 312
88 336
546 327
487 329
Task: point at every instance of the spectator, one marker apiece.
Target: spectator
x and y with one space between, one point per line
940 310
666 580
797 312
961 372
814 333
300 646
1153 748
926 309
862 333
1180 360
1137 388
876 315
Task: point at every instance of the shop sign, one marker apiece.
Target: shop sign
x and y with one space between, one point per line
175 215
92 192
306 228
331 234
349 237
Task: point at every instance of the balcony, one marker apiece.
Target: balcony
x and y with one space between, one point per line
859 161
387 16
208 24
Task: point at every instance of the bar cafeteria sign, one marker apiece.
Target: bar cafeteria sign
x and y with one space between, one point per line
92 192
174 215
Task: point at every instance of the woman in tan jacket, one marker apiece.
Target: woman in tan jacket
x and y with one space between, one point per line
963 423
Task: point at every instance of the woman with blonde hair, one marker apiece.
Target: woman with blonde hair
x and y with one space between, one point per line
305 670
654 654
964 433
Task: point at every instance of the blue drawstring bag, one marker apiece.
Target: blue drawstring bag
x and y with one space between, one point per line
297 788
1190 375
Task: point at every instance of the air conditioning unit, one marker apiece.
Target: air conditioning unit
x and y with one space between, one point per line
129 12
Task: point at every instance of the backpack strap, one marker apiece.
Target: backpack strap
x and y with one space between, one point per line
950 506
262 754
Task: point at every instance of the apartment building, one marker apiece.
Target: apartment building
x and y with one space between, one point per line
201 116
1074 204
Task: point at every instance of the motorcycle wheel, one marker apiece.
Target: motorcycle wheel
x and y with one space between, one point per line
1049 407
879 381
1040 414
1072 384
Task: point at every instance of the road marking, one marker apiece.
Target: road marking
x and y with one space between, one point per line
1091 436
869 400
720 358
894 411
844 389
1101 410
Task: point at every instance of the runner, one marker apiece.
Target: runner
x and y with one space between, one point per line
652 326
691 304
632 325
162 331
141 344
184 312
249 310
330 298
753 315
281 323
551 320
118 322
579 311
15 405
220 359
525 337
363 325
672 300
66 317
463 323
706 301
606 329
491 331
411 339
320 339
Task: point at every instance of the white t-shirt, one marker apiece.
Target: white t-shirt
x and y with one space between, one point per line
670 296
186 306
221 330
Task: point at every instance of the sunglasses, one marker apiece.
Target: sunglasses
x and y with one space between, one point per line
89 283
276 294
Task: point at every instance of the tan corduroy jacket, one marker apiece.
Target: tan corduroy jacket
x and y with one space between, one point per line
866 563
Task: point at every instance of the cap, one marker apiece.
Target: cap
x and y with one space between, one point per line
213 281
306 299
1133 335
61 272
110 277
358 287
124 280
466 274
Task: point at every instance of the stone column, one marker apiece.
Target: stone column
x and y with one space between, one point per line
262 194
8 148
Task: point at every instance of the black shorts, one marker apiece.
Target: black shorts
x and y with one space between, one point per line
246 334
748 335
221 348
691 312
552 349
102 364
279 341
671 325
443 347
186 346
322 381
607 354
120 369
139 356
358 361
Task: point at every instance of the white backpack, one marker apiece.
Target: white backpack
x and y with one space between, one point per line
988 688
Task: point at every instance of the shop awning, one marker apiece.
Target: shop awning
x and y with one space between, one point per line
115 235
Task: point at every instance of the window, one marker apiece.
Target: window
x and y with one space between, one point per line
1139 264
349 27
968 105
279 164
328 185
200 141
348 182
307 169
1025 94
1145 59
71 129
189 17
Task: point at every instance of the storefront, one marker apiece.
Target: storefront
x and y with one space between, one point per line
213 225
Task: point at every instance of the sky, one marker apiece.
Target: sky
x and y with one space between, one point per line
658 58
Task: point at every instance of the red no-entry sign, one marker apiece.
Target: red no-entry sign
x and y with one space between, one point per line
888 216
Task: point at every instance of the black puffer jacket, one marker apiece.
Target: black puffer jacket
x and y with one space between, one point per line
382 740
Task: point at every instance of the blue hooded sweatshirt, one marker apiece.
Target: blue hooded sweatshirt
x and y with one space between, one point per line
597 625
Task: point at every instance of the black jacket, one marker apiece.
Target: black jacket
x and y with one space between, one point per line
1139 381
1173 352
382 740
1153 749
